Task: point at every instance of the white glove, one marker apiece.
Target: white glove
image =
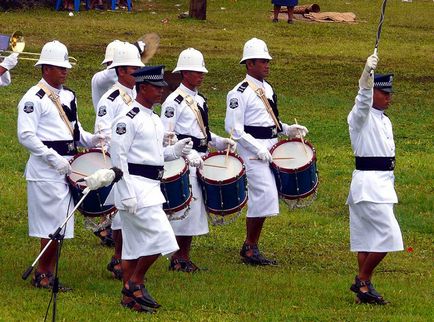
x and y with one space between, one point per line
140 46
130 205
264 154
366 80
100 140
169 138
10 61
194 159
183 147
294 130
57 162
222 143
101 178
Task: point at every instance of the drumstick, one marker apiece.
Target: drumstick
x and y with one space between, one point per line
281 158
102 146
301 137
214 166
229 147
79 173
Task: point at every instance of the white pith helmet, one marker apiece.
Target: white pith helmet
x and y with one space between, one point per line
54 53
255 49
110 51
192 60
126 54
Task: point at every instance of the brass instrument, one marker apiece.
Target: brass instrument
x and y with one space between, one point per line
16 44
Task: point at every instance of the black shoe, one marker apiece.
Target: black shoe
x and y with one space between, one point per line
275 20
131 304
117 273
256 258
182 265
144 299
38 278
107 239
371 297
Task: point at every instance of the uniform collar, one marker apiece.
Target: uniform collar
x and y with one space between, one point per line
148 111
51 88
127 90
379 113
255 81
186 90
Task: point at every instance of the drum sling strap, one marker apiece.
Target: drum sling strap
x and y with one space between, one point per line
56 100
261 94
125 97
193 106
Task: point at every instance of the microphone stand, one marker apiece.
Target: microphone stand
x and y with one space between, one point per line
59 238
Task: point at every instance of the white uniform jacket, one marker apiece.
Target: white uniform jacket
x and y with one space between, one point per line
244 107
5 79
137 137
101 83
371 136
110 107
39 120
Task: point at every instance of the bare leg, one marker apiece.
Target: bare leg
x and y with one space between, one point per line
276 13
48 260
143 264
370 262
290 14
117 237
254 228
184 243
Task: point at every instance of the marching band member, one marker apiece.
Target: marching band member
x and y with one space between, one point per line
103 80
6 65
374 230
126 60
252 117
48 127
185 112
137 149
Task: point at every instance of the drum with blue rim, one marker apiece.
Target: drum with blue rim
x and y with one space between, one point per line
294 168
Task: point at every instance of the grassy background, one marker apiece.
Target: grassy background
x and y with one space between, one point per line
315 69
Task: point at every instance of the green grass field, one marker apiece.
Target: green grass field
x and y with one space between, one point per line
314 71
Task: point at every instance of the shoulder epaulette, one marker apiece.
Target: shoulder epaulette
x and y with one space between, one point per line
40 93
178 99
242 87
203 96
133 112
113 95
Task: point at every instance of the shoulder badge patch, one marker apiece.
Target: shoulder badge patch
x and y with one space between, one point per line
40 93
242 87
169 112
178 99
28 107
233 103
133 112
102 111
113 95
121 128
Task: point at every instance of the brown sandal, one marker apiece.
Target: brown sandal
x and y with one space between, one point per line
38 278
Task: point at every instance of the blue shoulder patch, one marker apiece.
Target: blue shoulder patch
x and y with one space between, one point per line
242 87
113 95
40 93
133 112
179 99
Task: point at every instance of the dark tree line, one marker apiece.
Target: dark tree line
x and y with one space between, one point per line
25 4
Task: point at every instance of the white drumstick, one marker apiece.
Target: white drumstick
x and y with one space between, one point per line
214 166
301 137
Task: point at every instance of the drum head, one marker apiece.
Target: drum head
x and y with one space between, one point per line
292 154
218 167
174 168
87 163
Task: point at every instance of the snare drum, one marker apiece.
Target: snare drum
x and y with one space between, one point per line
85 164
175 185
224 183
294 168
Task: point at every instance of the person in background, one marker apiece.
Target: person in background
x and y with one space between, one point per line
253 118
6 65
48 127
185 111
374 230
290 4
